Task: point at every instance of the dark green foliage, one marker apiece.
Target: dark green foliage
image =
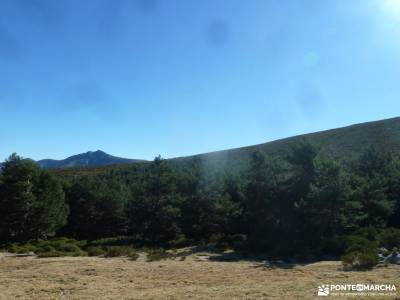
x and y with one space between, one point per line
303 203
370 203
390 238
50 248
115 251
15 248
158 254
360 254
113 241
360 260
95 251
133 255
50 254
153 215
31 201
264 189
358 243
97 208
320 211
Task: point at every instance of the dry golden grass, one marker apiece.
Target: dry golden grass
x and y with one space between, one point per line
120 278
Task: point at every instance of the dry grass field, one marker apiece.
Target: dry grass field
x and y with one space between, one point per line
120 278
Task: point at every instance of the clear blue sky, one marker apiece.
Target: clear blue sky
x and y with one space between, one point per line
179 77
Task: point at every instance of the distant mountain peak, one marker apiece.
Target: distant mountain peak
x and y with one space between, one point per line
88 159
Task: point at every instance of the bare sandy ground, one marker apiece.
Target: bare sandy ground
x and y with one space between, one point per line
121 278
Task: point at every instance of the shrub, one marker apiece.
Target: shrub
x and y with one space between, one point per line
113 241
115 251
75 253
13 248
361 253
68 248
390 238
50 254
358 260
179 242
20 249
158 254
238 242
222 246
95 251
44 248
50 248
359 244
369 233
133 255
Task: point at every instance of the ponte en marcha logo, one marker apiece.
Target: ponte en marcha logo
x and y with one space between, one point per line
360 289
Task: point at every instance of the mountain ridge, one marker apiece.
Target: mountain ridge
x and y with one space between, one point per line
88 159
345 143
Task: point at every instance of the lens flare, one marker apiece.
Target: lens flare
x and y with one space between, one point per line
391 6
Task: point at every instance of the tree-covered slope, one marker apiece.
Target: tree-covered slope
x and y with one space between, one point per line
344 144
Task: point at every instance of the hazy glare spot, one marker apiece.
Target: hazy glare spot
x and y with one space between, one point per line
310 100
146 6
217 33
48 14
10 48
88 97
277 46
111 19
332 30
311 59
11 98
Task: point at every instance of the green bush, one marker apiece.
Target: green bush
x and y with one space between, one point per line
369 233
358 260
13 248
113 241
158 254
75 253
179 242
390 238
68 248
44 248
222 246
20 249
95 251
50 248
50 254
133 256
115 251
238 242
359 244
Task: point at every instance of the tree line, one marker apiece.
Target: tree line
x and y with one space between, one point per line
304 203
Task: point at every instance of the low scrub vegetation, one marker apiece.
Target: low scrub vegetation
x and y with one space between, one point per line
158 254
360 260
50 248
70 247
115 251
95 251
361 249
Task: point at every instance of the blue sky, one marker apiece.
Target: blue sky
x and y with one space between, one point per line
180 77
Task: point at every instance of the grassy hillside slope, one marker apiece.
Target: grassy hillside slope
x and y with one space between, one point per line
344 143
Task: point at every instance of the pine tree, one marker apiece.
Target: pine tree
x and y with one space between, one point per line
31 201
